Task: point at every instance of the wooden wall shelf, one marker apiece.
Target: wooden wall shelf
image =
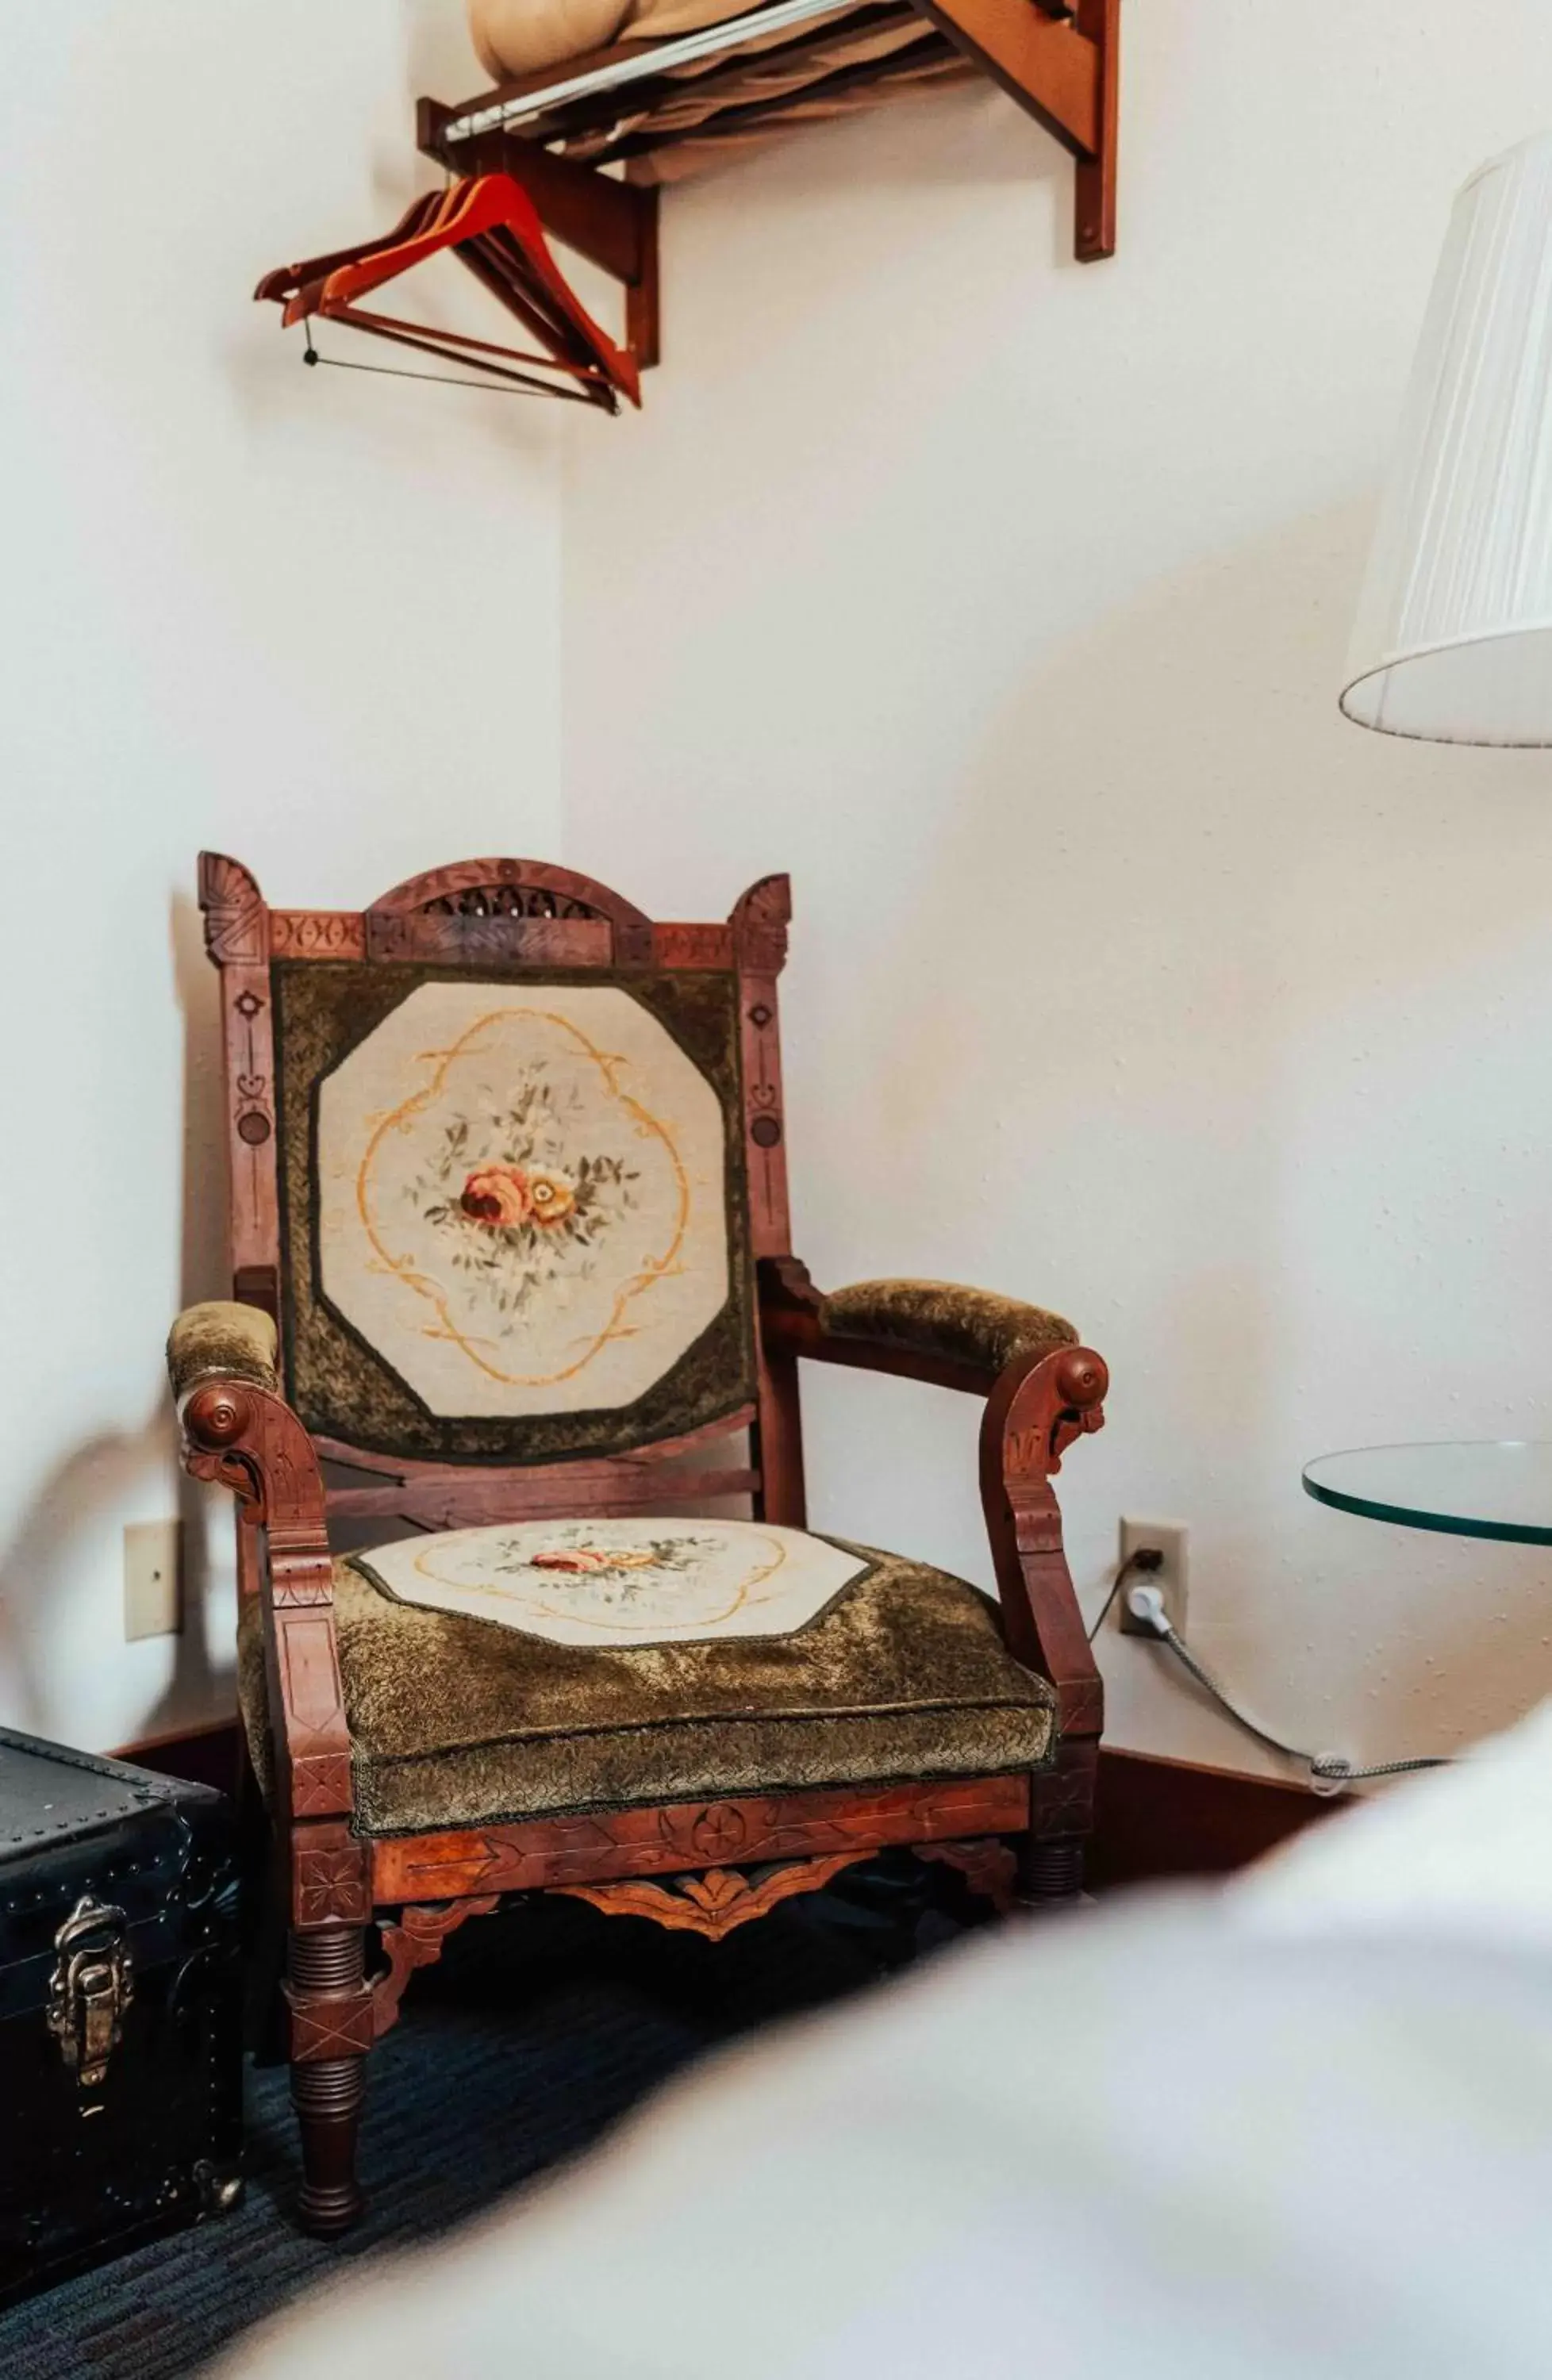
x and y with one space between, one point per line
593 141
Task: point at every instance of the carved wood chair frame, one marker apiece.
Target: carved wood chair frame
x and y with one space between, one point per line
1014 1836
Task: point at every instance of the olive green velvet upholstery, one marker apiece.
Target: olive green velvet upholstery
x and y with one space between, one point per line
221 1341
459 1723
939 1318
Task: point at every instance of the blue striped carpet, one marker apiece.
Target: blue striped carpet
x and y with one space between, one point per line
540 2027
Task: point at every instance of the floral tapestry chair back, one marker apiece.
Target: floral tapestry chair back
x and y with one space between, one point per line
504 1153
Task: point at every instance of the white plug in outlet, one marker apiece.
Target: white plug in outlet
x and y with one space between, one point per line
1168 1537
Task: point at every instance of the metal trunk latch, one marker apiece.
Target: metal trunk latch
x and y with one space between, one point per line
90 1989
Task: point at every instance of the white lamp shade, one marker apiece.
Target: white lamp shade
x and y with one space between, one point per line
1453 640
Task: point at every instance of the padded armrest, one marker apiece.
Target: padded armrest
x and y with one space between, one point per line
939 1318
221 1340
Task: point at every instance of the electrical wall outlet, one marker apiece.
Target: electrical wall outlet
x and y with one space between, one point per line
1168 1537
152 1579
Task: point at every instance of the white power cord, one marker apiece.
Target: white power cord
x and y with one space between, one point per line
1328 1771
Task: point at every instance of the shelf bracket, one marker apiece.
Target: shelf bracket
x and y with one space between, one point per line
1063 66
614 224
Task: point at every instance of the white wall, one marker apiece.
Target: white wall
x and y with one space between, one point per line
306 618
1004 602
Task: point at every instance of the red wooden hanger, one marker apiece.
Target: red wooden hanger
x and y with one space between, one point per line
493 224
287 279
490 221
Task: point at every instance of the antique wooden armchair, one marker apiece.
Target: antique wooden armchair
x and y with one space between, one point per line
508 1172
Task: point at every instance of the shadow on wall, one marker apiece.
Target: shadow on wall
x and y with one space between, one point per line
351 428
1076 891
1186 870
1275 973
72 1527
439 55
1211 1019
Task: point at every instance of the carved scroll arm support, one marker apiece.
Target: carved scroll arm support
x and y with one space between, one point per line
243 1434
1033 1415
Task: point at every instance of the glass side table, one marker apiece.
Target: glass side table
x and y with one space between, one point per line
1487 1488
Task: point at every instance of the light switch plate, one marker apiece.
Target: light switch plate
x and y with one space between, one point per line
152 1579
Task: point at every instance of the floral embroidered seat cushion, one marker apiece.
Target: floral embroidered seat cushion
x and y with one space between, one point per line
641 1661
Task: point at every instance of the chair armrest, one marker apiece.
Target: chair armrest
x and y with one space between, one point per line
939 1319
1043 1391
220 1340
927 1329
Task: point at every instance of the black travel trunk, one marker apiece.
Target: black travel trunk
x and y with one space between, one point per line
120 2010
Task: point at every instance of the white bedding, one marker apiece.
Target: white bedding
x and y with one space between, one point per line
1299 2127
1459 1854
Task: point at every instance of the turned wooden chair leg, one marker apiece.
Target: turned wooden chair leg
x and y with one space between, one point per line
1050 1856
331 2029
1050 1872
